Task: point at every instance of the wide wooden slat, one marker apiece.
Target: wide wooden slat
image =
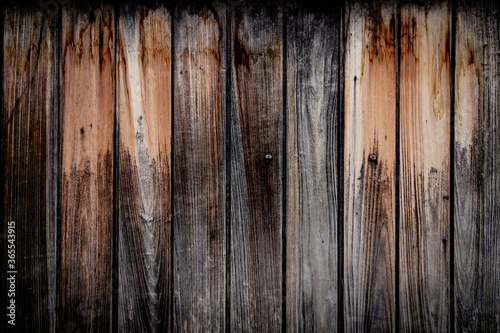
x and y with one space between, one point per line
144 117
477 167
256 130
87 160
199 188
312 107
28 140
370 83
425 167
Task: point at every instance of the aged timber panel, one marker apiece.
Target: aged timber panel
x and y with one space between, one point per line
370 100
87 175
199 189
477 167
28 163
144 117
311 225
256 198
425 162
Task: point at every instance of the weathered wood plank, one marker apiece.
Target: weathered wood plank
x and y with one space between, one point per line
256 188
425 167
311 225
28 139
144 117
370 85
199 188
477 167
87 159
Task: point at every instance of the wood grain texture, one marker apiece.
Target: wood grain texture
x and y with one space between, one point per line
256 129
311 226
87 175
199 178
477 167
27 139
370 83
144 116
425 167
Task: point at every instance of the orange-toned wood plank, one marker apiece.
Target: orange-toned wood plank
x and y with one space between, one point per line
425 167
370 131
87 160
477 167
28 169
144 117
198 164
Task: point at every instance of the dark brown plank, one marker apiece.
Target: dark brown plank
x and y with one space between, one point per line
144 117
199 189
370 131
477 167
425 167
256 130
28 138
311 225
87 175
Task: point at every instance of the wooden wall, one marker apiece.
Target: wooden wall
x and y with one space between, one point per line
251 166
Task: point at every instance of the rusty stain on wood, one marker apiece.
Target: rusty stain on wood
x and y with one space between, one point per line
425 167
87 175
144 116
370 99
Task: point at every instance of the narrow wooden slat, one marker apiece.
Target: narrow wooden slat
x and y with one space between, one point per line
256 188
313 92
370 83
425 167
199 189
477 167
27 140
87 175
144 117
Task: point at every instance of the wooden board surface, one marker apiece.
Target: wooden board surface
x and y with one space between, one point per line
28 169
311 225
477 167
256 186
87 161
369 193
144 117
424 245
199 189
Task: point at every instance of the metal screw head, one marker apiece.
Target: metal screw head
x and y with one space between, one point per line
269 157
372 157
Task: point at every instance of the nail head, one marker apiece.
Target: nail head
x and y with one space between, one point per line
372 157
269 156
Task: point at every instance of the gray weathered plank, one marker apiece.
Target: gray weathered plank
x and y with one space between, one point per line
144 118
477 167
87 174
424 245
28 138
370 128
256 186
198 164
311 225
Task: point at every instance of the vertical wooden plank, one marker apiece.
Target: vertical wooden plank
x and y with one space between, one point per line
199 188
256 187
27 137
311 226
144 116
87 175
370 134
477 167
425 162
